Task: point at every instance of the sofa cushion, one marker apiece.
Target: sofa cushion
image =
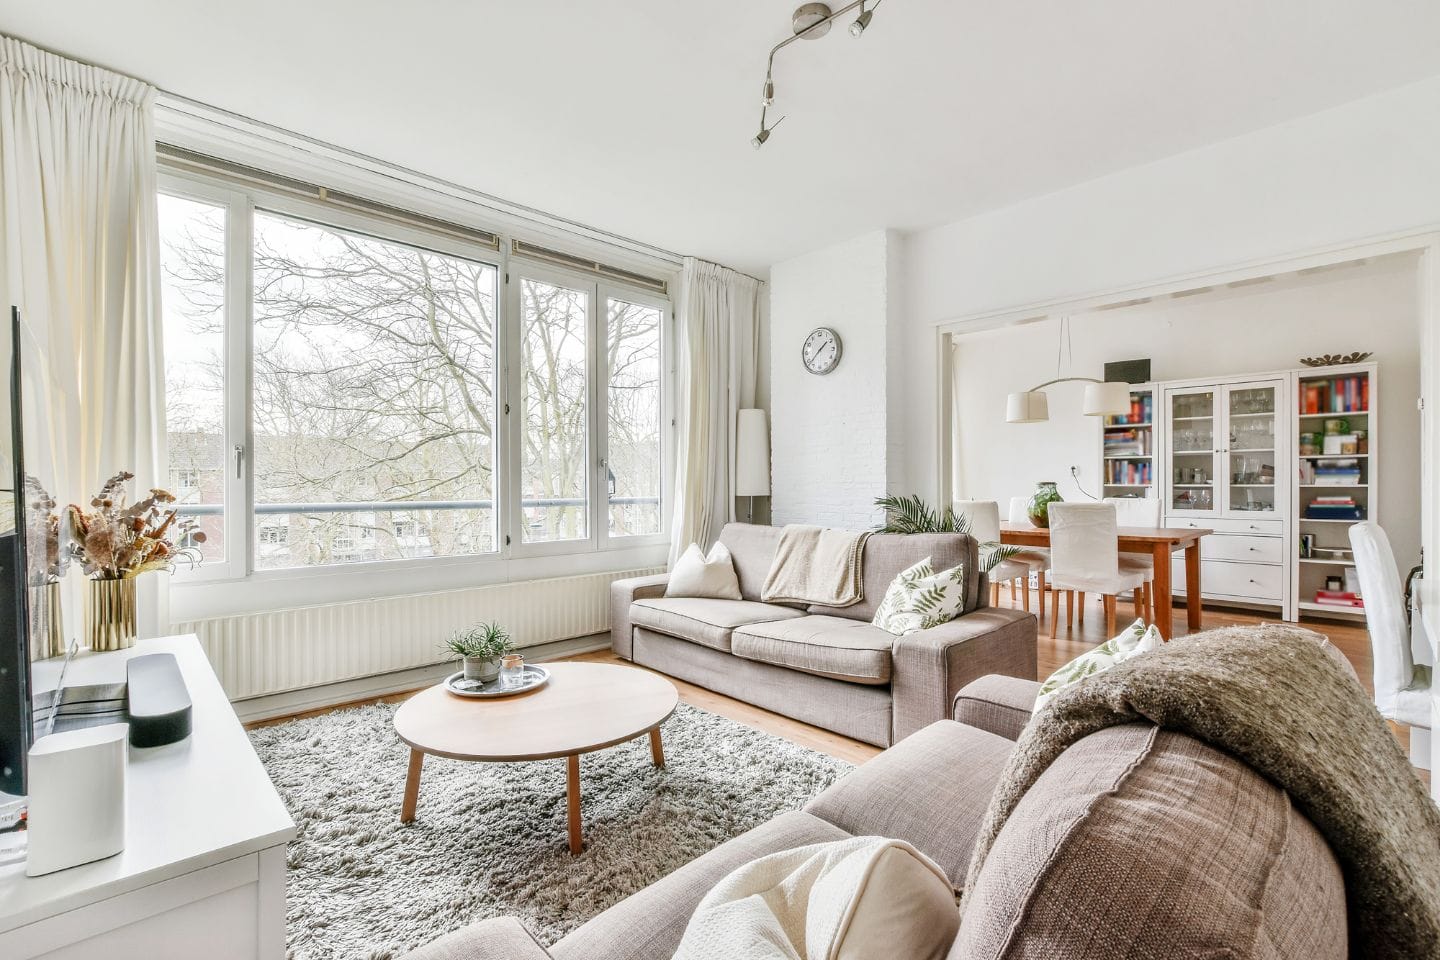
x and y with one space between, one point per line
887 554
752 549
704 620
649 924
825 646
1144 843
930 790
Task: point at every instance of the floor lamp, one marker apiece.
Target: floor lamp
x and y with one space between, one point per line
752 458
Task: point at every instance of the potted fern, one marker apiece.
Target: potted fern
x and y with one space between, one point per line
481 646
910 514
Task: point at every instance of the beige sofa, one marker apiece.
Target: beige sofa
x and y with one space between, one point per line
1137 842
826 665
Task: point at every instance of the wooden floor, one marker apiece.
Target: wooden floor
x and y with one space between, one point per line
1349 637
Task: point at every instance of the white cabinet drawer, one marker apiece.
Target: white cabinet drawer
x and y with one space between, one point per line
1251 581
1259 528
1239 547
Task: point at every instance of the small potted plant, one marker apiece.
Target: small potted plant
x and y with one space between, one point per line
481 646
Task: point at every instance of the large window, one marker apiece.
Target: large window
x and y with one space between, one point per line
337 390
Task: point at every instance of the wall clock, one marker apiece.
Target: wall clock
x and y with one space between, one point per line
821 350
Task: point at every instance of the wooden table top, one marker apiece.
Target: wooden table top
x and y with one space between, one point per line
584 707
1178 536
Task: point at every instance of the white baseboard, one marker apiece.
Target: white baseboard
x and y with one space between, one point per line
348 691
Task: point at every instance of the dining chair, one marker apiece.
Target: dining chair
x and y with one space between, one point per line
983 516
1139 512
1402 687
1037 557
1085 558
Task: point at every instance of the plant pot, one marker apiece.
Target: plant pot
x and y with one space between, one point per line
110 614
1039 507
47 631
479 668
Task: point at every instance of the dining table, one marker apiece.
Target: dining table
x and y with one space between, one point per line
1158 542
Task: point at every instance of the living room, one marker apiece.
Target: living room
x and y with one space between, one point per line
460 515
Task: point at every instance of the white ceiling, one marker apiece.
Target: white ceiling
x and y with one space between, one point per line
635 116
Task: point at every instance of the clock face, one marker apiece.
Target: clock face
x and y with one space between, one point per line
821 350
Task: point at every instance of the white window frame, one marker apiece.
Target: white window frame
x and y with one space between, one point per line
401 575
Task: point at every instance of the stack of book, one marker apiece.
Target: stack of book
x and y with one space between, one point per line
1339 598
1141 411
1127 472
1126 442
1335 395
1331 473
1333 508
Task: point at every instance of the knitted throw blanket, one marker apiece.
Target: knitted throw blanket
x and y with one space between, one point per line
817 565
1285 702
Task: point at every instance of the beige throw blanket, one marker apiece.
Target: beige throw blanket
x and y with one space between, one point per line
1287 704
816 565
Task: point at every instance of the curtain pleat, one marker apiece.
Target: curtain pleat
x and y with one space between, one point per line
719 326
81 259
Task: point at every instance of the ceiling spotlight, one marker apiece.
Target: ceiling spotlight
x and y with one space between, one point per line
767 94
861 22
759 139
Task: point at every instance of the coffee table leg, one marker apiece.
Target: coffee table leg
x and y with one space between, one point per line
572 798
657 750
412 787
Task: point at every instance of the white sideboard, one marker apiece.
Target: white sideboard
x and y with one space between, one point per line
203 869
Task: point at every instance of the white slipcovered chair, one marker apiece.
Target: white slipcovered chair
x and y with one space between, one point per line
1402 687
1139 512
1085 558
984 519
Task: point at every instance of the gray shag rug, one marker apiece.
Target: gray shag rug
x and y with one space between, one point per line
489 839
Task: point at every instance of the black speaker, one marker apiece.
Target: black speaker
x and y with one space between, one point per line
1128 371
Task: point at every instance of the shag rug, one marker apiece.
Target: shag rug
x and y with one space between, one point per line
489 839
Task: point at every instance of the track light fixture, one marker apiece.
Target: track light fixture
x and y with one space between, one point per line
861 22
759 139
810 21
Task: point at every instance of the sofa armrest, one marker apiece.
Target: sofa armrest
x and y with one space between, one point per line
622 594
997 704
930 666
499 938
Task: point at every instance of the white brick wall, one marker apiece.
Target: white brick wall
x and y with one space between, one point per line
830 445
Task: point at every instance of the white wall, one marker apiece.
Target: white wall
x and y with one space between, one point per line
830 435
1362 170
1249 329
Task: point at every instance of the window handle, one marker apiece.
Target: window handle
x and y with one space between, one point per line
239 459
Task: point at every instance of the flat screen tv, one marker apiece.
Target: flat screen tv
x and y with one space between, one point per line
16 729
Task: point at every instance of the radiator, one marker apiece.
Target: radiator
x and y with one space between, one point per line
257 654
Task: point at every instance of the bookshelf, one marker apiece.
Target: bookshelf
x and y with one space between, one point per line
1335 431
1128 451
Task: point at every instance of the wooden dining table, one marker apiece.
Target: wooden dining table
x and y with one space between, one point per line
1160 543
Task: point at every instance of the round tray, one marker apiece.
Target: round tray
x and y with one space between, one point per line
536 677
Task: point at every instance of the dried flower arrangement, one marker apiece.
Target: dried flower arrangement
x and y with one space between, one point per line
117 542
47 557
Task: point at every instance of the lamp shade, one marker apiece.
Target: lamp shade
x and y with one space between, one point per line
1028 407
752 454
1103 399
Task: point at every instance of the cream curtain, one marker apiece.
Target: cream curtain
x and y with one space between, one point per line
80 252
719 327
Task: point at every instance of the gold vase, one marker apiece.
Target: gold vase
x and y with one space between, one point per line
47 630
110 614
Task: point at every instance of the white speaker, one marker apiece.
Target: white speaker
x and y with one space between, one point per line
77 798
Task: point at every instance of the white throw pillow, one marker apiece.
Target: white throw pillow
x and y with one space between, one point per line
696 575
920 598
1134 640
865 898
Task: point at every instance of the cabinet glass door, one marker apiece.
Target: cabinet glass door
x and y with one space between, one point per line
1191 429
1250 448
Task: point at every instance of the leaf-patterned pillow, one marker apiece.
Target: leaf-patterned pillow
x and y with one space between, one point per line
1135 639
920 598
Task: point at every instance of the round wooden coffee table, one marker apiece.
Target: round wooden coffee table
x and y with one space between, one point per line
585 707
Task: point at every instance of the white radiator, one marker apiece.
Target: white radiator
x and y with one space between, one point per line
263 653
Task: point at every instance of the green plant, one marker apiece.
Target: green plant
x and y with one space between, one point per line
488 641
910 514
